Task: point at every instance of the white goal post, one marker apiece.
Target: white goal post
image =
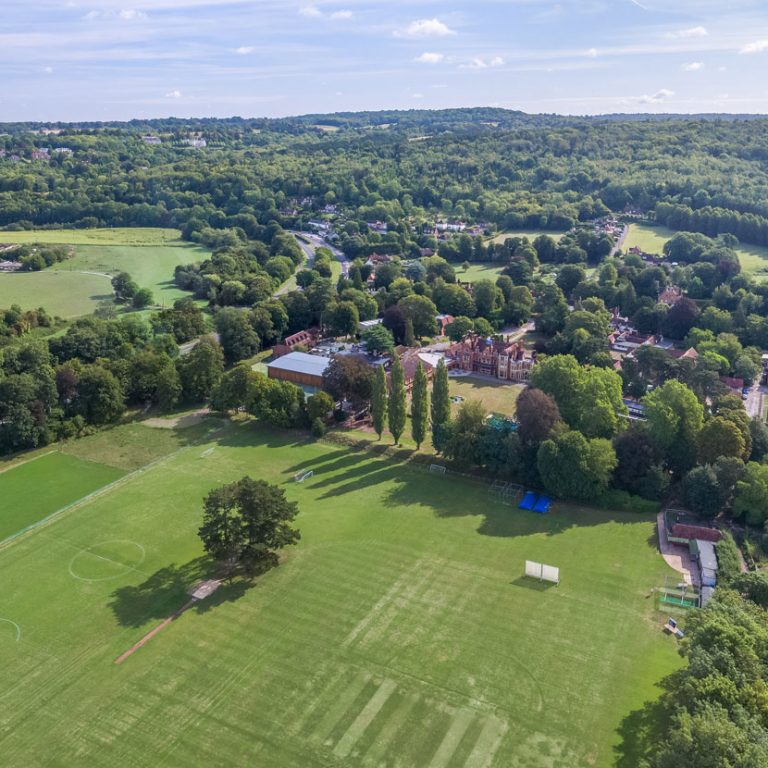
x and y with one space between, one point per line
542 572
438 468
300 477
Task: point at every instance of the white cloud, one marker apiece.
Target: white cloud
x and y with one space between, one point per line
757 47
131 14
694 66
430 58
478 63
591 53
658 97
689 32
310 11
48 70
244 50
427 28
417 95
176 94
341 15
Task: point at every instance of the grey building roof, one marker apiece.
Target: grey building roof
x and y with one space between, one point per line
301 362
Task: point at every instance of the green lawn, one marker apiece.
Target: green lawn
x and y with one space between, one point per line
398 632
649 239
496 396
530 234
37 488
753 258
75 287
479 271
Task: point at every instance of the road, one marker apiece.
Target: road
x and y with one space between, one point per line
754 401
315 242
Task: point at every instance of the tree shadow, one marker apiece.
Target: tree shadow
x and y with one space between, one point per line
168 589
639 731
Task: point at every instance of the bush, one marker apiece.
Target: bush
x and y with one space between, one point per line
623 501
728 559
318 428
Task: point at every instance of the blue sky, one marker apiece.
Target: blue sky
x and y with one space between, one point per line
119 59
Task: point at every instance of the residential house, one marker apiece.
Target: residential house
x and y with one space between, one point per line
670 295
505 360
151 140
306 339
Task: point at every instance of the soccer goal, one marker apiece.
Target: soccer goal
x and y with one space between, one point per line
438 469
300 477
504 492
542 572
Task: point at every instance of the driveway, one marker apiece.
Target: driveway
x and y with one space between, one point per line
754 401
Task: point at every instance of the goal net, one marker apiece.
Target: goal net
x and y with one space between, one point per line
542 572
300 477
437 468
504 492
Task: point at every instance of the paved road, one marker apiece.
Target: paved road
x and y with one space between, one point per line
754 401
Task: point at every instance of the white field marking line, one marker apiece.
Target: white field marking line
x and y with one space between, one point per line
384 601
87 551
13 624
89 497
487 744
459 725
27 461
365 718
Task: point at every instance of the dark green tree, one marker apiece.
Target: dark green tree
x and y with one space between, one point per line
379 401
396 404
419 406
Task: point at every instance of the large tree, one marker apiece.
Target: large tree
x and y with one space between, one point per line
246 521
751 499
571 466
537 415
201 370
419 406
720 437
396 405
675 418
379 401
440 408
349 377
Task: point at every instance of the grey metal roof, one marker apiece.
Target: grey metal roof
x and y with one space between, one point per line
707 556
301 362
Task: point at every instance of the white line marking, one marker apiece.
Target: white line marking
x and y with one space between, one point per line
14 624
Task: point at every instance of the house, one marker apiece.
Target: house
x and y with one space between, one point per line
64 151
735 384
307 339
628 341
43 153
366 325
151 140
300 368
379 227
197 142
670 295
682 528
679 354
492 357
410 359
10 266
450 226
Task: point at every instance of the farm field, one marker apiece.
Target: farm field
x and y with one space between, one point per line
496 396
398 632
75 287
37 488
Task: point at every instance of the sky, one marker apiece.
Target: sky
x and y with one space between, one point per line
120 59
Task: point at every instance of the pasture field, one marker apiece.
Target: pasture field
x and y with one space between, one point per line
754 260
75 287
37 488
496 396
398 632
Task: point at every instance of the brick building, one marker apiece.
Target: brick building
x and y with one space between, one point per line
505 360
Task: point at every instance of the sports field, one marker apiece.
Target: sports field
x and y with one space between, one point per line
479 271
39 487
75 287
496 396
530 234
398 632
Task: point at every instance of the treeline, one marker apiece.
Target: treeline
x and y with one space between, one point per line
747 227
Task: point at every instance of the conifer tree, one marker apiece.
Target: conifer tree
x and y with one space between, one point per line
419 406
397 406
379 401
409 339
441 404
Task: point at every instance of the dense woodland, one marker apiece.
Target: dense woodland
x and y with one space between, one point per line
256 179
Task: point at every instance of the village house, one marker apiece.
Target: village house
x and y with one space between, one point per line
379 227
305 339
151 140
670 295
42 153
505 360
197 142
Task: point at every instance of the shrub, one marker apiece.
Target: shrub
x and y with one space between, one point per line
623 501
728 559
318 428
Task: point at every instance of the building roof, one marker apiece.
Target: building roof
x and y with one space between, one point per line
301 362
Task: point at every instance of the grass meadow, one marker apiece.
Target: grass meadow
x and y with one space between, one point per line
530 234
489 270
398 632
76 286
496 396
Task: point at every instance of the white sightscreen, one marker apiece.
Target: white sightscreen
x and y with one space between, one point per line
533 569
550 573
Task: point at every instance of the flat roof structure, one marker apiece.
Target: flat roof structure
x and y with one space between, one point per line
302 363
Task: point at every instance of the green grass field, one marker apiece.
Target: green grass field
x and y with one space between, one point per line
530 234
753 258
75 287
37 488
398 632
479 271
496 396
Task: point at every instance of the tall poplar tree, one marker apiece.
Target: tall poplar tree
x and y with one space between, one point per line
379 401
419 406
397 406
441 404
